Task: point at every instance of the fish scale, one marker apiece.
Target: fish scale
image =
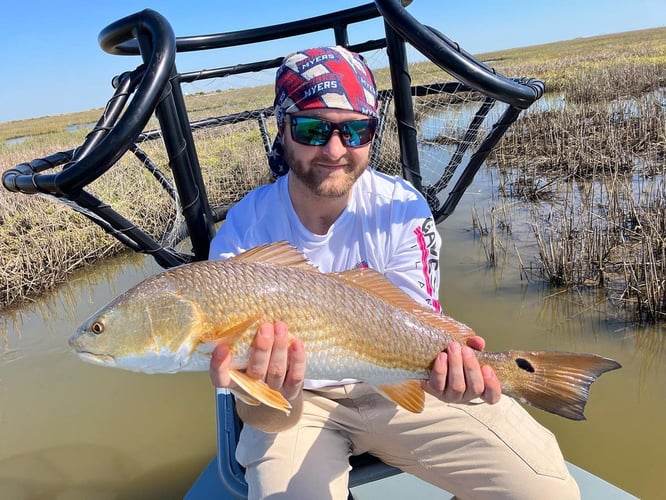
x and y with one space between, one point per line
322 312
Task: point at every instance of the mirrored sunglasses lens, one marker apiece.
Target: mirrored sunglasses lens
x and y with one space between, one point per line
357 132
316 132
310 131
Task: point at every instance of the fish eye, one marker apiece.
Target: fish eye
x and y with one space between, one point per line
97 327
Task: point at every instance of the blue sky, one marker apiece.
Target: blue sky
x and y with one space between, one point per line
52 64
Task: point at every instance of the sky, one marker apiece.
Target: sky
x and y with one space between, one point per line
52 64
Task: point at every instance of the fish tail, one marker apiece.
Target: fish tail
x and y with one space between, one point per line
557 382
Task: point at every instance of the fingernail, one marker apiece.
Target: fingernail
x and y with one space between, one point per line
454 348
265 332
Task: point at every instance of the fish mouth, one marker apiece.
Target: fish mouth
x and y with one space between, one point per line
97 359
89 356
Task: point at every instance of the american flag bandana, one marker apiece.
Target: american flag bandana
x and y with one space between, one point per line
323 77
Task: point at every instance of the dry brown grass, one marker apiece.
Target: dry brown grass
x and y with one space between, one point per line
594 163
43 241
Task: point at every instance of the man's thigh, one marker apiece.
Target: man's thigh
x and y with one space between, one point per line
309 461
475 450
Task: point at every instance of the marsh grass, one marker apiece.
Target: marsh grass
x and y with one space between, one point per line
571 67
613 89
607 235
592 168
42 241
494 230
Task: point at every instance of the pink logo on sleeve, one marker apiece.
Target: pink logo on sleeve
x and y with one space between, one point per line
426 240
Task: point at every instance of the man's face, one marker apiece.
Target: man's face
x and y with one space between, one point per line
329 170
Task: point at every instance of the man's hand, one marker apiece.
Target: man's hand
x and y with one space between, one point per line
457 377
275 360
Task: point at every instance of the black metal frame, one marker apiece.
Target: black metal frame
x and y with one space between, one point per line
155 87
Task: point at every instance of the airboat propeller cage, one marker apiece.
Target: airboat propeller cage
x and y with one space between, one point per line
156 88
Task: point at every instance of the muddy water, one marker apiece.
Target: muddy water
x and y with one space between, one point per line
73 430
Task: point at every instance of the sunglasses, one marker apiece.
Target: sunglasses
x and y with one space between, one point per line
315 132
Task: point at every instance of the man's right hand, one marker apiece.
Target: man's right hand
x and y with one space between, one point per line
277 361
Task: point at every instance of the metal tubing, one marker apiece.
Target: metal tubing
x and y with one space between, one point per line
198 217
475 163
450 58
254 35
401 82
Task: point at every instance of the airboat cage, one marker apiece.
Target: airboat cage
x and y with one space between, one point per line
441 115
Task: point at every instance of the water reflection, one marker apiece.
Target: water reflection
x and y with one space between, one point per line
36 325
80 126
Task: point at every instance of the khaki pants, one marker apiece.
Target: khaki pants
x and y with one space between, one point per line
472 450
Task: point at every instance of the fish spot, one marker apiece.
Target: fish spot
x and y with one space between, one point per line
523 364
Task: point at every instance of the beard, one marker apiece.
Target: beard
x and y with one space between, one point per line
327 183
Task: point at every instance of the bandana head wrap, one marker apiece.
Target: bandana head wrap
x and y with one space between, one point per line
324 77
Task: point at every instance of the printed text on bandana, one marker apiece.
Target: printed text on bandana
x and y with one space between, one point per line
320 87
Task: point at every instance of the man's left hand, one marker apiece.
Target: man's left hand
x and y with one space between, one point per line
457 377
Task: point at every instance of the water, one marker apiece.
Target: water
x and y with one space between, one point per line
623 437
72 430
15 140
80 126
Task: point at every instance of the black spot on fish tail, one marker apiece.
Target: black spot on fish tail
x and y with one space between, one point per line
523 364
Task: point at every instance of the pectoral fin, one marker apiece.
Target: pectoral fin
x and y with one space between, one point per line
408 394
245 397
258 390
231 333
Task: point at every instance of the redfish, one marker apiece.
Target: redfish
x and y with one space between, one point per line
354 324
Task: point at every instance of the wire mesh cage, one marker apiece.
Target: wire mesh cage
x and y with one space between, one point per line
174 150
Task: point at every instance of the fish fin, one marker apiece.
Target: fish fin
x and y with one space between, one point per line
231 334
259 390
281 253
379 285
245 397
408 394
557 382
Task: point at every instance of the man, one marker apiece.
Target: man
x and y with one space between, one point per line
341 214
